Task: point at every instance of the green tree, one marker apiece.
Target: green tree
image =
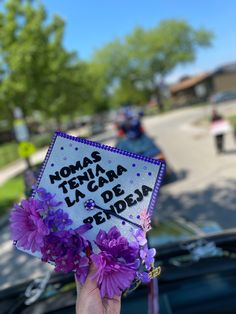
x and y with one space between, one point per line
135 66
36 72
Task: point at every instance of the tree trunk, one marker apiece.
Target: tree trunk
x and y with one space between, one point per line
159 98
58 123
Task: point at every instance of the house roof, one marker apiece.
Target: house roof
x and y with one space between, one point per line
189 82
230 67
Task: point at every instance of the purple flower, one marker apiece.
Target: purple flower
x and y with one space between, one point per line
112 276
52 248
46 199
61 243
147 255
27 226
140 236
67 249
65 263
116 264
83 228
57 220
70 262
117 245
143 276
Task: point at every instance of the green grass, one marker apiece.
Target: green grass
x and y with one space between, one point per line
9 152
10 192
232 120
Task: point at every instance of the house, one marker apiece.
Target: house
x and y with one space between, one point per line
224 78
199 88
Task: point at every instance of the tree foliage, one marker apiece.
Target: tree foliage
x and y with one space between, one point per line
134 66
36 72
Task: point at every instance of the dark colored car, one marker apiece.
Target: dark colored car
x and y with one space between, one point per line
223 96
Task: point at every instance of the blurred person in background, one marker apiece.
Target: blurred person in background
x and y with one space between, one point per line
218 128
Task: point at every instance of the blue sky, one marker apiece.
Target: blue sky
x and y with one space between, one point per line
92 23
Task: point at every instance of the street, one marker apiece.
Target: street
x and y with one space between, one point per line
207 181
205 189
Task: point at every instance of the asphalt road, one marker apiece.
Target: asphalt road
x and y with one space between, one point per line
206 185
205 189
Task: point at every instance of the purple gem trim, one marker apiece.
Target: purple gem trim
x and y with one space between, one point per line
156 189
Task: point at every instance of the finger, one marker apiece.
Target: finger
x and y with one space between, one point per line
90 282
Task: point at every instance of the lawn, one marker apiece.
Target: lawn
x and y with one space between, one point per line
9 152
11 192
232 120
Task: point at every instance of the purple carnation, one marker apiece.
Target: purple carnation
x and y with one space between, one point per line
27 226
117 245
112 276
57 220
116 264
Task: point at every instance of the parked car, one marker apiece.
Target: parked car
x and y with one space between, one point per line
223 96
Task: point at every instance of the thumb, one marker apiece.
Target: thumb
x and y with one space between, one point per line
89 282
